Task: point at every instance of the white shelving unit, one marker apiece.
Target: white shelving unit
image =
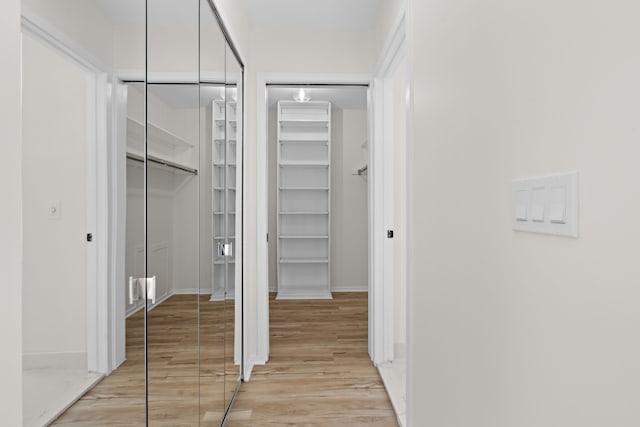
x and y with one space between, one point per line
224 137
304 200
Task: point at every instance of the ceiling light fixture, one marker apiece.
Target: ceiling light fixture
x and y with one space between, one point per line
301 96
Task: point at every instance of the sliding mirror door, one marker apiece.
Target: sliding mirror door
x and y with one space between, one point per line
213 210
172 201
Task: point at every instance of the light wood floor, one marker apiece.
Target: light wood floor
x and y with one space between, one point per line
182 392
320 373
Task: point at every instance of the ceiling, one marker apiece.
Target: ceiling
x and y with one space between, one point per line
345 97
331 15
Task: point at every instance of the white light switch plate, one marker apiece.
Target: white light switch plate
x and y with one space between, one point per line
552 201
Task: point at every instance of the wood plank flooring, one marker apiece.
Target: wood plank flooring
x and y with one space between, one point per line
182 392
320 373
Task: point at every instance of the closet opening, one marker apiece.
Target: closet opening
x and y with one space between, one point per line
382 173
317 155
317 229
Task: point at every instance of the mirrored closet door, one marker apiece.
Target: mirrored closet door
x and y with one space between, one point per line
175 309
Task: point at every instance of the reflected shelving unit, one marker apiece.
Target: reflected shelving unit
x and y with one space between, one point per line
304 200
224 137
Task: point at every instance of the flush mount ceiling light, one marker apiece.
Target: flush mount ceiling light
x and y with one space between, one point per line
301 96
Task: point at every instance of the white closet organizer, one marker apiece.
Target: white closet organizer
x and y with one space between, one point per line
164 148
224 195
304 200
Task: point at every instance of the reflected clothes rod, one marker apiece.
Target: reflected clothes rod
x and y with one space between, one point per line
162 162
361 171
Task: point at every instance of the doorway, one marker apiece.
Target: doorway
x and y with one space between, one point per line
59 270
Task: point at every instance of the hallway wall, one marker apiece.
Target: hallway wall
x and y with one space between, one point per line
521 329
81 21
11 217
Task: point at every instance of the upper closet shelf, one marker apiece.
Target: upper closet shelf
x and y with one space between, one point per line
162 142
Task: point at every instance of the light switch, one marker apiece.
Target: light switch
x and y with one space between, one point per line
537 211
557 209
521 213
546 204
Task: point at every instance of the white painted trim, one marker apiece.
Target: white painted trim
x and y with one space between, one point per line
350 288
262 226
382 177
44 31
285 295
376 211
410 48
249 364
118 173
91 202
97 183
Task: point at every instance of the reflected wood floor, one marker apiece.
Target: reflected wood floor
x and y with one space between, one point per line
320 373
182 392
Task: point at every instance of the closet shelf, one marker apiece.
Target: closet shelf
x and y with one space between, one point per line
304 123
304 260
305 164
163 142
308 139
305 188
302 237
298 141
305 213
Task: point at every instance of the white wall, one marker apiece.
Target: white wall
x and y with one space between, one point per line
399 82
389 13
11 218
54 134
507 328
349 229
81 21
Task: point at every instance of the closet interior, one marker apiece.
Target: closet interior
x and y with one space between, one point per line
318 190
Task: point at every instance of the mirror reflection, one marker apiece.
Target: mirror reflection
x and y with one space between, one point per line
173 356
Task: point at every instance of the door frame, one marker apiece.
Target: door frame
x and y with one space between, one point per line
382 307
380 191
97 184
262 209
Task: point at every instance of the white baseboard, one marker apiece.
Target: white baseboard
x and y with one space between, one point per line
335 288
76 360
190 291
303 295
350 288
248 369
